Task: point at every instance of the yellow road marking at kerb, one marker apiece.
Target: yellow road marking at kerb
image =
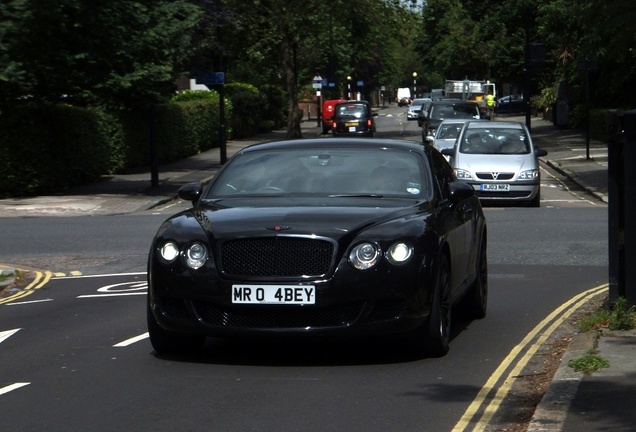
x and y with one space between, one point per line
568 189
39 281
572 305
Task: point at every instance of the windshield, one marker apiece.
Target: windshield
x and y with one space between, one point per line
449 130
351 110
455 111
333 171
495 141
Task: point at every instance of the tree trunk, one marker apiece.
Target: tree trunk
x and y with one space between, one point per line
294 115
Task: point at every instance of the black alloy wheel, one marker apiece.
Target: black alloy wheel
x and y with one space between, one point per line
432 338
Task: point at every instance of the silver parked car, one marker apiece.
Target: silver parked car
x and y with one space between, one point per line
500 161
417 104
446 134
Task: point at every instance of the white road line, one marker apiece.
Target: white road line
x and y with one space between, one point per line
104 275
132 340
7 334
29 302
110 295
12 387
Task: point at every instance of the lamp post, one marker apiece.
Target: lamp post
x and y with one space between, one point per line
414 84
349 87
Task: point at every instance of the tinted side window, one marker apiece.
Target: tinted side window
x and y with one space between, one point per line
443 174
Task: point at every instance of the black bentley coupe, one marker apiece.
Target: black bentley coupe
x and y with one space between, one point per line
316 237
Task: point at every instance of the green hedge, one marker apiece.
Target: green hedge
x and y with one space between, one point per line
46 149
51 148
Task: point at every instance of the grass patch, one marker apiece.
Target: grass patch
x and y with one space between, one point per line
619 316
588 363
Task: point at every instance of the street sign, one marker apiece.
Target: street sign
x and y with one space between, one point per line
216 78
317 82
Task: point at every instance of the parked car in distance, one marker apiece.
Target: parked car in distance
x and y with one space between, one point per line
446 134
499 160
354 118
447 110
512 104
328 238
415 106
327 113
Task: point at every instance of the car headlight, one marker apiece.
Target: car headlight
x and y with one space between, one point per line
196 255
463 174
529 175
365 255
169 251
399 253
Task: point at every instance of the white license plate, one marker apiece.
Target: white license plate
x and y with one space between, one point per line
495 187
274 294
352 129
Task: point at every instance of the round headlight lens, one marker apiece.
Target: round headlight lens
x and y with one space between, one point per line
169 251
399 253
196 255
364 256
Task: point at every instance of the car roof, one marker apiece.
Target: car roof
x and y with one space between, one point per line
353 102
368 143
460 120
493 124
453 102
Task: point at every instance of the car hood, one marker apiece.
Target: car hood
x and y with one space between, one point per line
222 219
499 163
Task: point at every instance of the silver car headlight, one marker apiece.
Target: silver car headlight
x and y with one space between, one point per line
529 175
399 253
365 255
463 174
169 251
196 255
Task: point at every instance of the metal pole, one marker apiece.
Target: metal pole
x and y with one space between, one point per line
587 109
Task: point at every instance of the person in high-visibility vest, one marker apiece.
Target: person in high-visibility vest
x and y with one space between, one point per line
490 103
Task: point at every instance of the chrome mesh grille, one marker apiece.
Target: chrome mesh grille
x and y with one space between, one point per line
276 256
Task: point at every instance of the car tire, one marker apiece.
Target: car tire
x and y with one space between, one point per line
166 342
432 338
476 300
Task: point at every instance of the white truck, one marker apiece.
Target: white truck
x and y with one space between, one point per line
471 91
403 96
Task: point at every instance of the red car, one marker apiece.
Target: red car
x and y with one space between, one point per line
327 113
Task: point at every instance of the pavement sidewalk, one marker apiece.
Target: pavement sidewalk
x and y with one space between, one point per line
574 401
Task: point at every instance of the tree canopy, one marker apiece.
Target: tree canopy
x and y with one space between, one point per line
129 52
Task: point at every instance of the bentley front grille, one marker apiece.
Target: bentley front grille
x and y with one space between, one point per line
276 257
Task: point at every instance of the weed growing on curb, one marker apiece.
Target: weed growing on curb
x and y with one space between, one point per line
588 363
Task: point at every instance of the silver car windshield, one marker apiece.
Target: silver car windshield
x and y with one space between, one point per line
495 141
334 172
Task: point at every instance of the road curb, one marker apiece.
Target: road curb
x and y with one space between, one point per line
551 413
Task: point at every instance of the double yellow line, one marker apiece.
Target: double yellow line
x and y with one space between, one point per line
41 279
483 407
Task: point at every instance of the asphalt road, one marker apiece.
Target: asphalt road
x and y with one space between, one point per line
74 354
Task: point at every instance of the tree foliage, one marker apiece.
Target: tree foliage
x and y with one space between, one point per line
118 52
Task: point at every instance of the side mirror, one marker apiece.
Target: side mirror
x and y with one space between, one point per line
448 151
540 152
460 190
191 192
